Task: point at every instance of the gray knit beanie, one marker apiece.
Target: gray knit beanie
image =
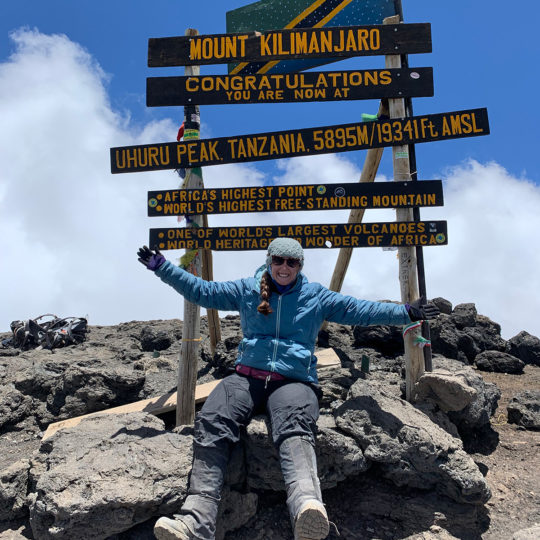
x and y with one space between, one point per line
285 247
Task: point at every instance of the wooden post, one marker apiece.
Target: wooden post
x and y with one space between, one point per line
214 328
191 333
408 278
426 332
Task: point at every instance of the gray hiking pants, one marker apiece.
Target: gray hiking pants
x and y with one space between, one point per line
293 410
292 407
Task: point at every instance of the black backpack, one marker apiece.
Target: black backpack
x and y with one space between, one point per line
49 334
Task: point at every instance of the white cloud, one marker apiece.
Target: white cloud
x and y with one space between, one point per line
492 257
70 229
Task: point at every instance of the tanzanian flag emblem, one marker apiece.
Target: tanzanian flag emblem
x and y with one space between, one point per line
288 14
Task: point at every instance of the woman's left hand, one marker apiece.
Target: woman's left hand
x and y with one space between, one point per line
421 312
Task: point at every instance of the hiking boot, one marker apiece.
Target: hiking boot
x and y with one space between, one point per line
304 499
172 529
200 509
197 517
311 522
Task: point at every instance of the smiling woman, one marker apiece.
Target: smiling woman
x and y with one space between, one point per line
275 372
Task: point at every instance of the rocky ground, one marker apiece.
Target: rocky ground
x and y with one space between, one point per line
370 508
513 467
121 364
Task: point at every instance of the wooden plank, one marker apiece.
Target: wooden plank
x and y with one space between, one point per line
338 42
300 142
336 235
289 87
167 402
295 197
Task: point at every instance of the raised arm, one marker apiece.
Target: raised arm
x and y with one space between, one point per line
208 294
349 310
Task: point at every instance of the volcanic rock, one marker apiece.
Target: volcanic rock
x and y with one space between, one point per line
409 448
13 488
524 409
526 347
111 476
499 361
105 475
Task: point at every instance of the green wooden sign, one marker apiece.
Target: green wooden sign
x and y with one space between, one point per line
384 234
181 202
342 42
289 87
300 142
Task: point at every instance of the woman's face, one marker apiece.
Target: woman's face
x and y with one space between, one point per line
282 272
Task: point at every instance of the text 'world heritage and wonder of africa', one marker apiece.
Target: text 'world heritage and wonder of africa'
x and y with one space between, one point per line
385 234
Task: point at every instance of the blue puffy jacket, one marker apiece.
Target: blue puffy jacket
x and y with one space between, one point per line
283 341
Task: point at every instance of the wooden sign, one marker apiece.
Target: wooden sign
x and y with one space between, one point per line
300 142
342 42
185 202
289 87
350 235
272 14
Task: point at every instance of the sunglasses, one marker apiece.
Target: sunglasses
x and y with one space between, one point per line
291 263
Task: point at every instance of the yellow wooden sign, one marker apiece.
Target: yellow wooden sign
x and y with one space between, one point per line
300 142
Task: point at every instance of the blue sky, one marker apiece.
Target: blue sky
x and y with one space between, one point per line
479 60
72 84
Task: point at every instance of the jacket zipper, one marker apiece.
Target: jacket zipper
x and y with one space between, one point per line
274 355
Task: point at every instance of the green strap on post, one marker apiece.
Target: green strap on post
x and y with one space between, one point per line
369 117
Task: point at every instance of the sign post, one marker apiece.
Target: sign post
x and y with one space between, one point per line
316 43
268 45
289 87
212 315
291 197
408 278
191 332
426 333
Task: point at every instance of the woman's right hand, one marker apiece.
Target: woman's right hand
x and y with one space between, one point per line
151 260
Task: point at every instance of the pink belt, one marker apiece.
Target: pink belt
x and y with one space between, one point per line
259 373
